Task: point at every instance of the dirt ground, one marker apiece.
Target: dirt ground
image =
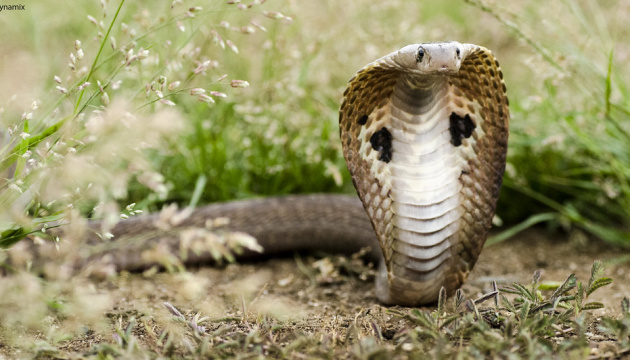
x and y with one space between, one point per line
314 293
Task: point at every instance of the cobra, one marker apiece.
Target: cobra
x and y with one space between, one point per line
424 133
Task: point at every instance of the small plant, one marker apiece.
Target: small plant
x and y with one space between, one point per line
620 327
522 320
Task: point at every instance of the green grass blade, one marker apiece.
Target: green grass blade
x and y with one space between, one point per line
9 237
98 54
200 185
608 82
531 221
33 140
23 147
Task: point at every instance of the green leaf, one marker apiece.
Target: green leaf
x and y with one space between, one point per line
458 299
495 288
485 297
598 283
9 237
597 271
32 141
441 301
510 290
23 147
421 318
56 304
449 320
568 284
425 320
524 312
507 304
592 306
549 285
524 292
509 326
566 298
536 278
529 222
55 217
470 305
609 83
200 185
607 233
579 295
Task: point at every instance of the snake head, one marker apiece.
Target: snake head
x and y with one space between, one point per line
439 58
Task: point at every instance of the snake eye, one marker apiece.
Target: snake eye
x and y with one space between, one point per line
420 54
458 52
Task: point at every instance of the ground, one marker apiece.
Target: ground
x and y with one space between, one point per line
308 294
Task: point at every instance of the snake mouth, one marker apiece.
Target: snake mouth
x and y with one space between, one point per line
446 70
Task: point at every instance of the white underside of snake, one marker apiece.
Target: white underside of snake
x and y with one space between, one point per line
424 133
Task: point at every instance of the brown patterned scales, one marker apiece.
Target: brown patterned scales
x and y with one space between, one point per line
424 132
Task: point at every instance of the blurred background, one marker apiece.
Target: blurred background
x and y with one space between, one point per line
107 108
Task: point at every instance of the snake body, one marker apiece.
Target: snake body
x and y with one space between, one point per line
424 133
326 222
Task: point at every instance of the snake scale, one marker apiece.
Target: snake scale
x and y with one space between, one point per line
424 133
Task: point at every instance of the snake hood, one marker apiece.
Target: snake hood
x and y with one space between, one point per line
424 133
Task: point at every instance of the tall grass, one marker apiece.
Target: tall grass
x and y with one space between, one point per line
113 111
568 159
568 156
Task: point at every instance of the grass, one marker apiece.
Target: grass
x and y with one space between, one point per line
149 105
569 132
279 136
568 152
528 324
